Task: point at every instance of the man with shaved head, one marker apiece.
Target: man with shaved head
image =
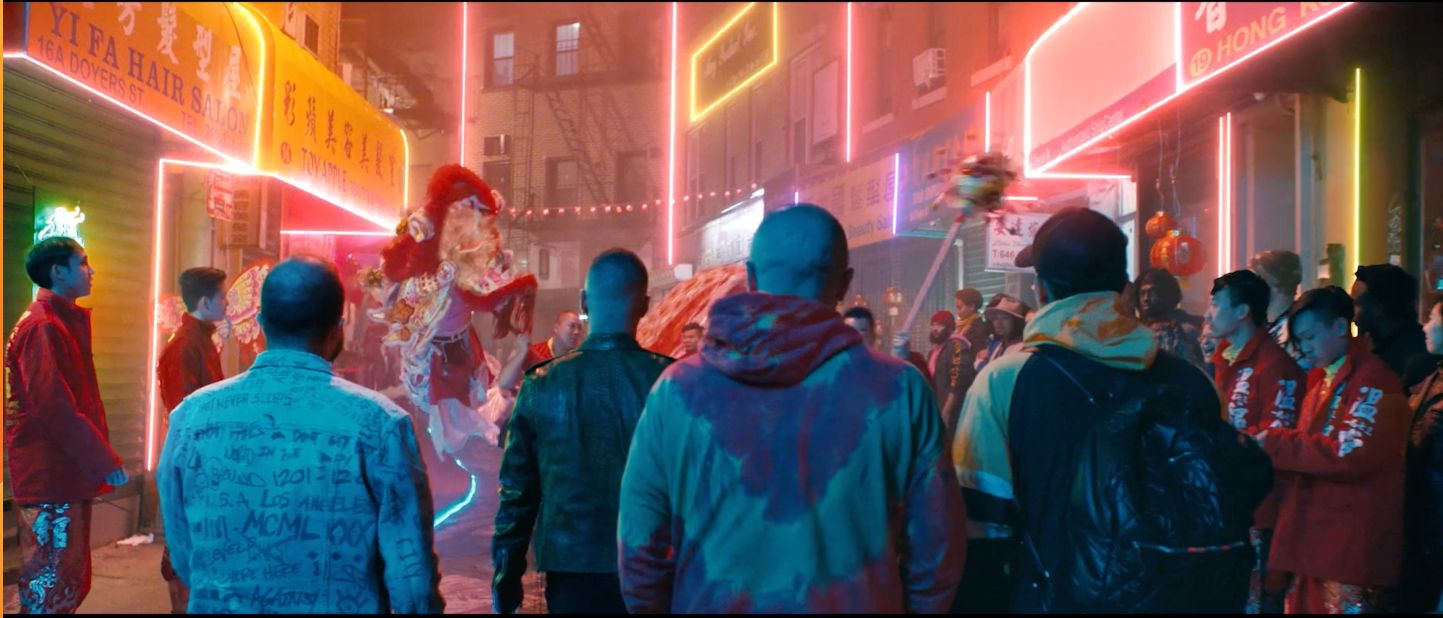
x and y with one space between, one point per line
287 489
787 467
566 446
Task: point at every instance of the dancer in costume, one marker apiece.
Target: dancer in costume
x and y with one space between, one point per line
444 265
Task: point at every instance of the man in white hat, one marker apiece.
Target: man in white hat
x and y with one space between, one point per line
1006 316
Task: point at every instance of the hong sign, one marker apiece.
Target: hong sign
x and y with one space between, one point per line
744 48
1216 35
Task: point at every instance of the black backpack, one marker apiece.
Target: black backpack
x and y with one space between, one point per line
1161 504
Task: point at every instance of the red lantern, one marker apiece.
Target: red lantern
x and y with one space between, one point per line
1159 225
1179 254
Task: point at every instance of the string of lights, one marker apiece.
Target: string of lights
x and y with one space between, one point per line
616 209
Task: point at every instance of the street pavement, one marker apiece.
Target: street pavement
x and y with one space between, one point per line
127 579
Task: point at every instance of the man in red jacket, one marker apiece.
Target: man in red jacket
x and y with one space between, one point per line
1340 522
190 361
565 336
1261 387
56 437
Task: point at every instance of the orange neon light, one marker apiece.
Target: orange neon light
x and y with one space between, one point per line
260 85
776 54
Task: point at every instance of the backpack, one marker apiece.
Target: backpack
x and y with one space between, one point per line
1161 504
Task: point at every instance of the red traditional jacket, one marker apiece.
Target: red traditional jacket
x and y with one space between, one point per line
189 362
1261 389
56 437
538 353
1341 515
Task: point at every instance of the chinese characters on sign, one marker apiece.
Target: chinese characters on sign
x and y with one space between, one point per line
138 54
860 199
1217 34
327 140
1009 234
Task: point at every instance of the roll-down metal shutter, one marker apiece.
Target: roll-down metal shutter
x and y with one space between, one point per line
61 140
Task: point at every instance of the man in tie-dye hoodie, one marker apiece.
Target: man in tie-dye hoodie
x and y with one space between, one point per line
788 468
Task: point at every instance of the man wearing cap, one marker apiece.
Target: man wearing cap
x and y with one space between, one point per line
1006 316
951 367
1027 416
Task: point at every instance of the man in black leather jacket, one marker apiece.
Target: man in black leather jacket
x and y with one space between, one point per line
569 438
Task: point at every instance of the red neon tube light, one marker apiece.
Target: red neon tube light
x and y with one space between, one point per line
465 48
671 151
849 83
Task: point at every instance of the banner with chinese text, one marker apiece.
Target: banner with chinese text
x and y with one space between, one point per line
191 66
324 138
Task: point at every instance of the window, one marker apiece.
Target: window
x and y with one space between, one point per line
561 183
633 178
801 105
568 46
694 182
498 175
641 55
313 35
503 59
884 56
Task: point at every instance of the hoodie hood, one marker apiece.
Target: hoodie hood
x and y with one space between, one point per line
1094 326
773 340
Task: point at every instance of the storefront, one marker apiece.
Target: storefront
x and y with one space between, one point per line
1233 155
168 136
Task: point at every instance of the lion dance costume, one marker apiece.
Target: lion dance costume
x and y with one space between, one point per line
445 264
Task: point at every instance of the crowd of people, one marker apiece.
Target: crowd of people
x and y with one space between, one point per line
1103 452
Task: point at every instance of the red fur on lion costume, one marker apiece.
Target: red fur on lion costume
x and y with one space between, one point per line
418 249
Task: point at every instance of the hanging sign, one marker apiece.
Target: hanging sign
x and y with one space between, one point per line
1007 235
220 196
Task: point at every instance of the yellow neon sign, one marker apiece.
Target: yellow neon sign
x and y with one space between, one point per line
776 54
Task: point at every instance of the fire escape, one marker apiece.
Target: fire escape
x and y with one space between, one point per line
589 117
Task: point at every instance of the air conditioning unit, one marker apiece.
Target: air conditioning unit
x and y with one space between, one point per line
497 145
929 70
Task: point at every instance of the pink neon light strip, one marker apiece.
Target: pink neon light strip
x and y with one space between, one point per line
849 82
465 47
671 151
102 95
333 233
1042 171
987 122
896 188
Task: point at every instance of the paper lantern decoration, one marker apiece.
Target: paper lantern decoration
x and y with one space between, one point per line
1159 225
1179 254
243 305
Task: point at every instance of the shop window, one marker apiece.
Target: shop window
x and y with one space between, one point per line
503 59
568 49
561 183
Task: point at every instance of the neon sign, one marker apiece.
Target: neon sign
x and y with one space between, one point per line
746 51
57 216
